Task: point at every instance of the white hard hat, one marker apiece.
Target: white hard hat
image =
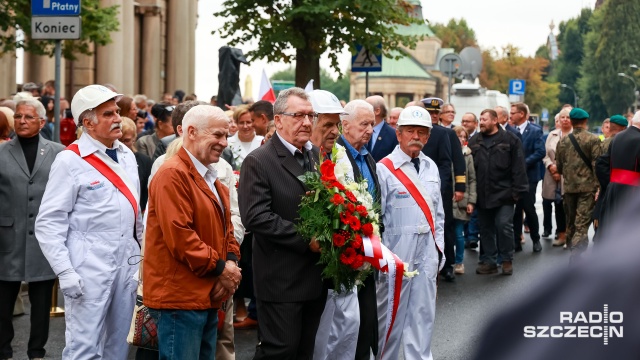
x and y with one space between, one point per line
414 115
90 97
325 102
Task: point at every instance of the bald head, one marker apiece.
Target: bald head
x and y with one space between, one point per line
379 107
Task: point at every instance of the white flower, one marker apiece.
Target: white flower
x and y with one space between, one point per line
340 170
338 152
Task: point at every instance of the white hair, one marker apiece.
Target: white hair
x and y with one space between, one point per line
353 107
200 115
636 118
36 104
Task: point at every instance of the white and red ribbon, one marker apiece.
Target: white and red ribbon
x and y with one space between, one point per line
380 257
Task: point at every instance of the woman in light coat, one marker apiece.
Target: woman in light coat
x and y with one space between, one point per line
462 209
552 182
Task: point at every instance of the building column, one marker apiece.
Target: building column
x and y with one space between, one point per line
110 59
8 71
151 54
392 100
127 64
180 44
80 73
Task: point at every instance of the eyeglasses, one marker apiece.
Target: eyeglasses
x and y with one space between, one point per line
449 112
302 116
18 117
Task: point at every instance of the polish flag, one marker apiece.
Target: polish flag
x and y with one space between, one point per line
266 91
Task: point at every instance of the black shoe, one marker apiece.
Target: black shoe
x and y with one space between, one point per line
546 234
473 245
537 247
447 274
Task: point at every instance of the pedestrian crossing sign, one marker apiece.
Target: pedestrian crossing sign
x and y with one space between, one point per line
366 60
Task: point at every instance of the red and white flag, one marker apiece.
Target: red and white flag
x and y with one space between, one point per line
266 91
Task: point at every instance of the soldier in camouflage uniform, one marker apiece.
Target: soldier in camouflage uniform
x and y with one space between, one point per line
580 183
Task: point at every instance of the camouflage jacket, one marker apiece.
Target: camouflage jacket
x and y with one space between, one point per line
577 176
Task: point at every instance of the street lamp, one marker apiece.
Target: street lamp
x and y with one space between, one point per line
575 96
635 89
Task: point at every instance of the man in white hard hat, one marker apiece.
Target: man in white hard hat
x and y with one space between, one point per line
89 227
413 217
325 129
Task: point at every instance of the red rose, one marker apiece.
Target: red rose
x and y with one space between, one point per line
326 171
362 210
367 229
344 218
358 261
338 240
337 199
351 208
337 184
354 223
356 243
350 196
348 256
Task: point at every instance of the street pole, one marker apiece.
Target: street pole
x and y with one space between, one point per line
575 95
366 84
56 106
635 89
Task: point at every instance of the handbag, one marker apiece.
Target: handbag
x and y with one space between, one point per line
143 332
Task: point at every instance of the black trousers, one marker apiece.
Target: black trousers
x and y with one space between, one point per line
526 203
561 220
40 299
449 229
368 331
287 331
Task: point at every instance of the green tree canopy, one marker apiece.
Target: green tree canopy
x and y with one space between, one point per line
97 24
456 34
313 27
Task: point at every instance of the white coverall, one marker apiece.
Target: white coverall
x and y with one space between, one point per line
408 234
337 334
85 223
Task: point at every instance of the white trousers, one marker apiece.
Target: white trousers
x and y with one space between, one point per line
337 334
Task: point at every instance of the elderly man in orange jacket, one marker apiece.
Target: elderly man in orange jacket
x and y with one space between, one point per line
190 251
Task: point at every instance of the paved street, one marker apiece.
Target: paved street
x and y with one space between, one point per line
463 307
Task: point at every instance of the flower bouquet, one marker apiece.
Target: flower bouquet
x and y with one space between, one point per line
339 213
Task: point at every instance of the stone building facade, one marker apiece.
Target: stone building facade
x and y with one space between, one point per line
414 76
153 52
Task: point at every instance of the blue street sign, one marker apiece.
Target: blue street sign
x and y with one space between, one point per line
364 60
516 87
55 7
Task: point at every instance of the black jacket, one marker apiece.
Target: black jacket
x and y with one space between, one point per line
501 177
438 149
459 165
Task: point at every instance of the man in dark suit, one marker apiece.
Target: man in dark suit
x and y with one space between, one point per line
287 280
439 135
384 139
503 120
357 128
534 152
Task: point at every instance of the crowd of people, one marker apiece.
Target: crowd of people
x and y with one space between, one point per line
193 209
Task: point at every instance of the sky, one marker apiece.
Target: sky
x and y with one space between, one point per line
523 23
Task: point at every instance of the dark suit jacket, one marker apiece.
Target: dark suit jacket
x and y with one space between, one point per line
459 165
438 149
513 130
386 142
534 151
269 194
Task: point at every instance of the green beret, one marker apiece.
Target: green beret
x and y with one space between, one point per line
620 120
578 114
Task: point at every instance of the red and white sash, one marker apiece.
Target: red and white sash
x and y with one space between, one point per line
111 175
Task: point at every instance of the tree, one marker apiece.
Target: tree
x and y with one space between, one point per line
456 34
496 74
338 87
588 87
571 44
312 27
97 23
617 48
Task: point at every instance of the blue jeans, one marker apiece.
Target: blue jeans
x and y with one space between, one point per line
186 334
460 240
473 230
